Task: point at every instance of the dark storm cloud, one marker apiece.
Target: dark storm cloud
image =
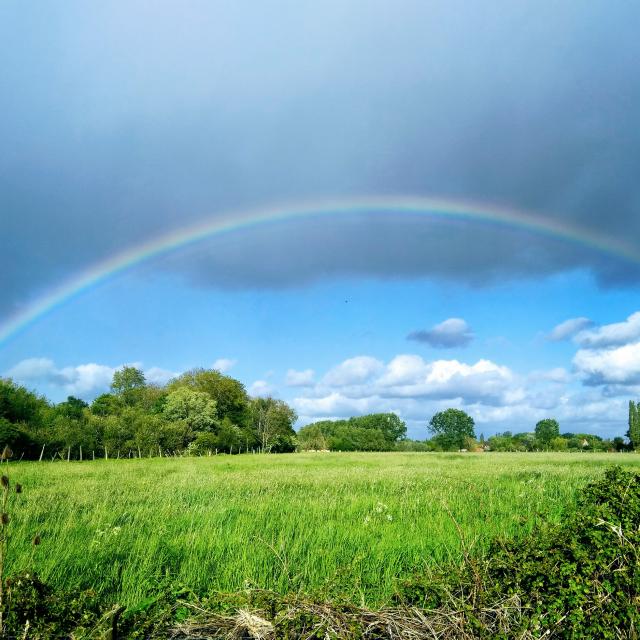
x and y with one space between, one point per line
124 121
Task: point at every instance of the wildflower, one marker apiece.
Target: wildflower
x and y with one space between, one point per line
5 481
4 518
18 487
36 540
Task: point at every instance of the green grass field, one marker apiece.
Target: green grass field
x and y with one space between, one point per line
342 523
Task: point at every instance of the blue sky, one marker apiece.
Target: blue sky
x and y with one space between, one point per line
126 122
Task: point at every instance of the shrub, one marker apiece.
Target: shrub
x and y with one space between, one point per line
580 578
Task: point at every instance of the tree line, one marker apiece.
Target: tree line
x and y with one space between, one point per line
200 412
204 411
453 430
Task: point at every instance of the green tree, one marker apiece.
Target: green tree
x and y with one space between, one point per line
546 431
228 393
18 405
559 444
389 424
195 408
107 404
128 383
451 427
272 421
634 425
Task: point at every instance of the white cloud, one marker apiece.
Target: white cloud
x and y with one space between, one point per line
611 335
81 380
224 364
156 375
569 328
609 366
32 369
406 382
261 389
559 375
454 332
299 378
353 371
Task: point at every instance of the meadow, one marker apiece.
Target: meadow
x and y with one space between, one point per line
333 523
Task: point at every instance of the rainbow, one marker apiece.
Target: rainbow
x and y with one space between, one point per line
237 221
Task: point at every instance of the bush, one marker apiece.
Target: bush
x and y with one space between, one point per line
580 578
576 579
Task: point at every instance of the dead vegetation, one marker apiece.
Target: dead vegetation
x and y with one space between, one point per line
301 619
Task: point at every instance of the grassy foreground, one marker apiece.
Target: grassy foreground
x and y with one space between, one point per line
349 524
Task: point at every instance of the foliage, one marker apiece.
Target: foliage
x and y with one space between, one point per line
128 383
451 428
581 577
373 432
228 393
195 408
16 438
546 431
18 405
634 424
272 420
138 419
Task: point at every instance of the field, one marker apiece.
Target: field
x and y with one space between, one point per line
349 524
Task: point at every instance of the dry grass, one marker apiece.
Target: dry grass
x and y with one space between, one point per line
304 620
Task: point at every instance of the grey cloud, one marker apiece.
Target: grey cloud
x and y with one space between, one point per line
611 335
449 334
117 128
569 328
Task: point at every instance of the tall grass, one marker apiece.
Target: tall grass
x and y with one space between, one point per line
342 523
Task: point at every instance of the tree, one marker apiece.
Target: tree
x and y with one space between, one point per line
195 408
107 404
229 394
451 428
634 425
272 421
559 444
127 383
18 405
73 408
546 431
389 424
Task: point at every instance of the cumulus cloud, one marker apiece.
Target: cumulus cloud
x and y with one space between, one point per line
366 384
611 335
569 328
261 389
558 375
295 378
451 333
159 376
615 366
224 364
82 380
496 396
353 371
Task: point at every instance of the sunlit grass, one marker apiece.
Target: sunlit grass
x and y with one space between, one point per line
343 523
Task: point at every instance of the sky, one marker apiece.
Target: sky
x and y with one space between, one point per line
123 123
